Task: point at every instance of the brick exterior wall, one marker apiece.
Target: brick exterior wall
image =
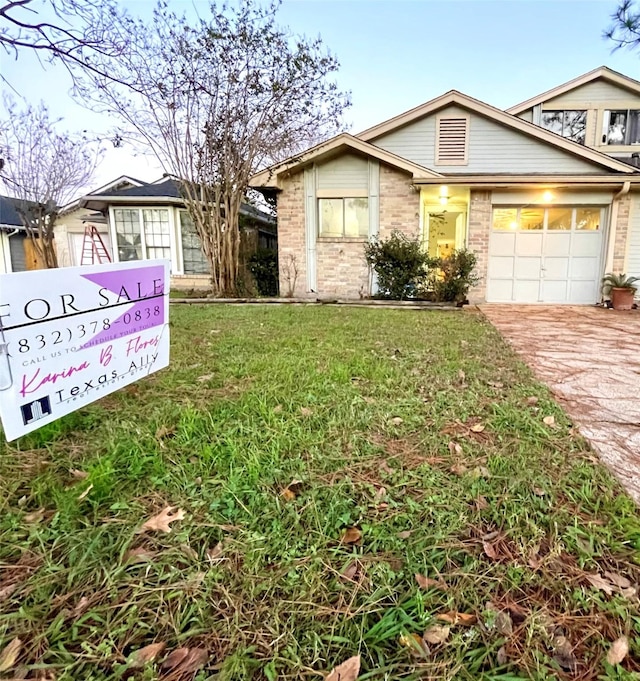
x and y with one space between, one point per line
479 228
342 269
291 237
622 231
399 203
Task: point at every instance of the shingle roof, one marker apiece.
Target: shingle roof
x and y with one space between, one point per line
8 214
168 188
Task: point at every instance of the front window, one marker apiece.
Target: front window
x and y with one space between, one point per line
557 219
620 127
193 258
132 223
128 234
347 217
570 124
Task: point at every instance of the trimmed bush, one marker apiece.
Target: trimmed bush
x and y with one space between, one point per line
263 265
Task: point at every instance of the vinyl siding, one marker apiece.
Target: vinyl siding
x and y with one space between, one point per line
633 253
526 115
493 148
346 172
596 93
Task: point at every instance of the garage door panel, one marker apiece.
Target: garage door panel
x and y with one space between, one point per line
556 268
529 244
503 244
501 267
500 290
586 244
554 291
526 291
584 268
528 268
583 293
558 244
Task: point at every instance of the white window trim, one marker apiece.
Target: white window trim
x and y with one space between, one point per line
465 160
342 236
143 241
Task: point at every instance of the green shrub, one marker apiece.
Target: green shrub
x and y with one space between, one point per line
401 264
263 265
454 277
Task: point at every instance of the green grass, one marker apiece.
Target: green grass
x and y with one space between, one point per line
360 407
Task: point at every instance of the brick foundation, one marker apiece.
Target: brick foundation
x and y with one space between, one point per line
479 229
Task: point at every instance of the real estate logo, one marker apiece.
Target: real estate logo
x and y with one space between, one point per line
36 410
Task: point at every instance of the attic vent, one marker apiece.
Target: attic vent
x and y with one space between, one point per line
451 140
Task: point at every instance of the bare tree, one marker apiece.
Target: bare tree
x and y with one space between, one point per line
217 100
43 169
624 30
79 34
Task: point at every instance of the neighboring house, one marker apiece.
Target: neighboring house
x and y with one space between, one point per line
15 252
148 220
546 194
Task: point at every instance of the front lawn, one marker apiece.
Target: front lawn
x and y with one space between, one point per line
323 457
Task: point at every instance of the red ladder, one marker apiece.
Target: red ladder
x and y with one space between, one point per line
93 247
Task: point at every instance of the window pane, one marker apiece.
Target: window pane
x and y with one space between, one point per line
356 217
588 219
193 258
505 219
559 218
156 232
617 127
552 120
575 125
633 127
331 217
128 234
531 218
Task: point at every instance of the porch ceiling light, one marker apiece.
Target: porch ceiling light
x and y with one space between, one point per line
547 196
444 194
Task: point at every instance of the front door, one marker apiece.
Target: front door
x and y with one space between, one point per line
445 232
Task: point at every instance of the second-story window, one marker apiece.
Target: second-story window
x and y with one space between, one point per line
569 124
621 127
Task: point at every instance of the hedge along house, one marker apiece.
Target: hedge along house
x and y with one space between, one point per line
545 214
149 220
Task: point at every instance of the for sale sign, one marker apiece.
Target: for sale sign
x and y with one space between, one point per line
70 336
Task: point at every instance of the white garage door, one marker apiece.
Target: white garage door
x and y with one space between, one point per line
545 255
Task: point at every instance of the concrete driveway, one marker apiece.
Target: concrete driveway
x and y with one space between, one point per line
590 358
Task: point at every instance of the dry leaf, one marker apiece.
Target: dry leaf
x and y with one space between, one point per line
347 671
416 644
502 657
351 571
139 555
481 503
564 654
277 409
81 475
428 583
380 494
538 491
9 655
214 554
305 411
478 427
620 581
396 420
206 377
185 660
490 550
34 516
287 494
532 401
81 606
455 448
549 420
84 494
436 634
463 618
503 623
458 469
495 384
600 583
405 534
618 651
162 521
6 591
352 535
139 658
385 468
480 472
165 432
461 375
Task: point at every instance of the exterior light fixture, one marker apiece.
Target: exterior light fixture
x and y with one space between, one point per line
547 196
513 225
444 195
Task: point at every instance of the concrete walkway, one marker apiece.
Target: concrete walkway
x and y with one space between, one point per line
590 358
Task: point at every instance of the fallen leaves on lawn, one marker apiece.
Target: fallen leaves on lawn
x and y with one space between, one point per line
436 634
620 581
163 520
480 472
214 554
347 671
185 661
427 583
34 517
416 644
481 503
291 491
287 494
9 655
305 411
352 535
478 428
549 420
205 378
396 420
490 550
405 534
459 469
455 448
466 619
139 555
600 583
165 432
612 582
618 651
531 401
80 475
142 656
563 653
352 571
80 607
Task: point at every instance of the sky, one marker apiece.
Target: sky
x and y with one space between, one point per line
394 55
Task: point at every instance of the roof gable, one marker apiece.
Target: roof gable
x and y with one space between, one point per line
332 148
601 73
455 98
